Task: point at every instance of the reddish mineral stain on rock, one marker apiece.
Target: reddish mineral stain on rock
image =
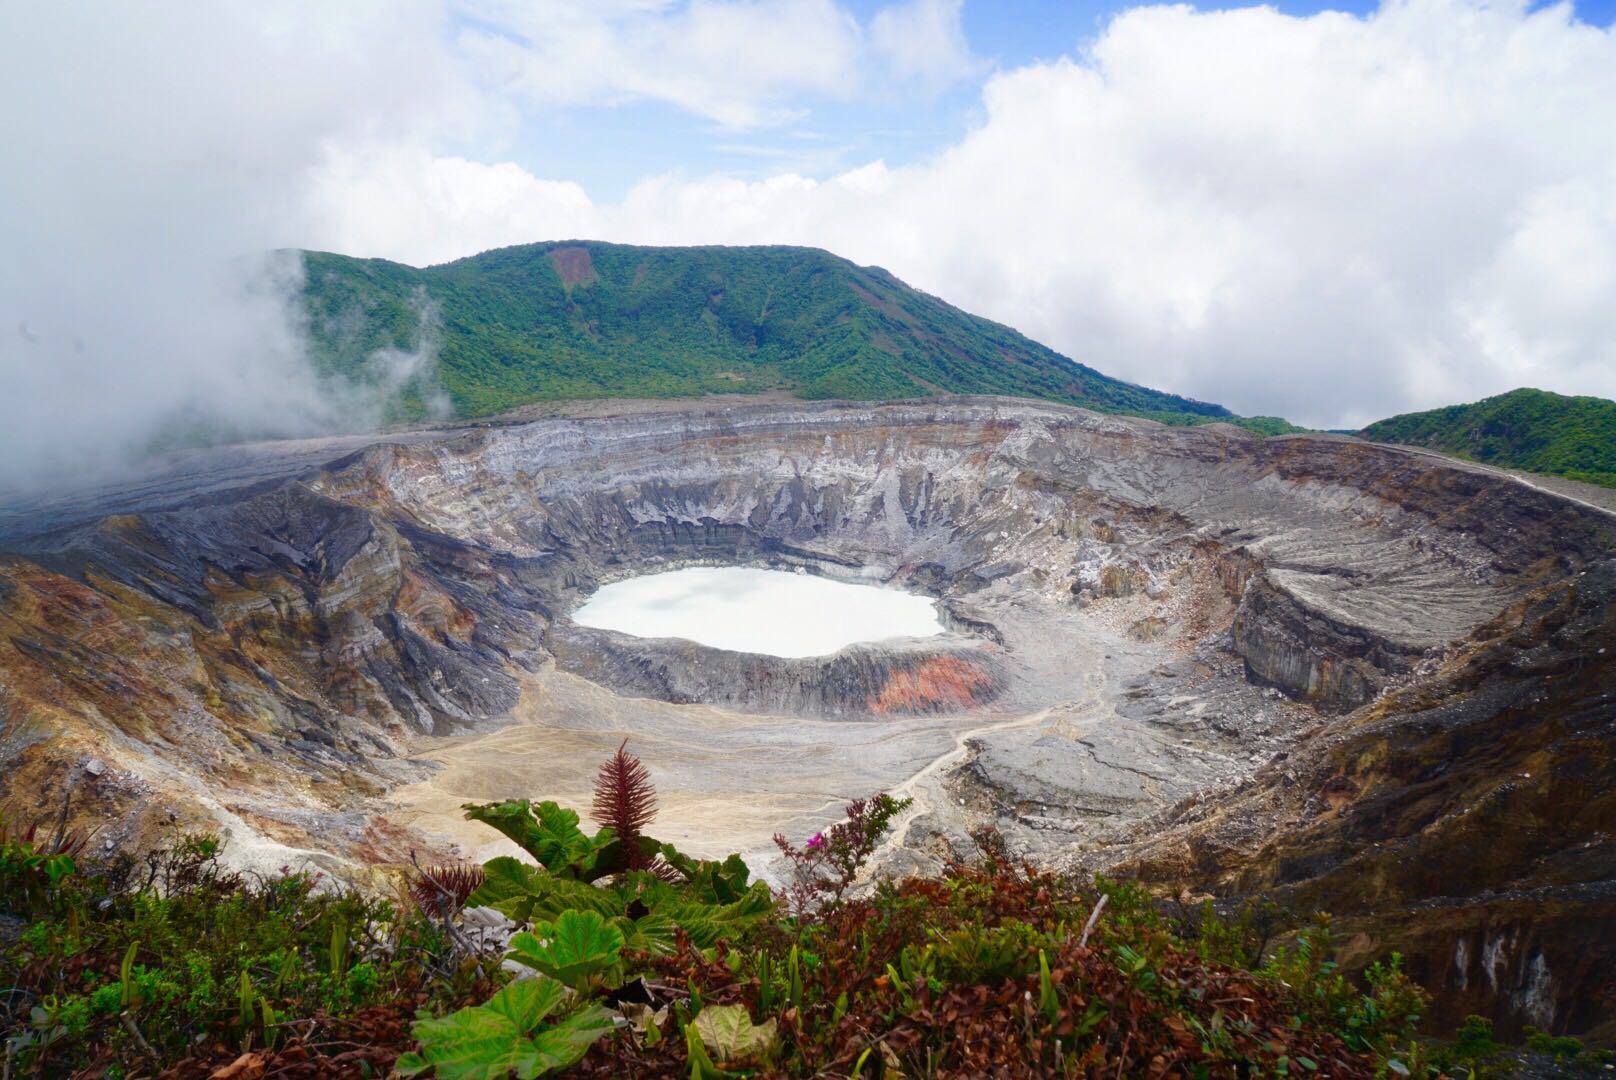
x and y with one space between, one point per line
943 682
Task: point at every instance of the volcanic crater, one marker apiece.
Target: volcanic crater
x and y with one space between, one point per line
1180 650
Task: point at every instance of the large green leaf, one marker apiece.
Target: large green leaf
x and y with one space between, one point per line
716 882
411 1064
706 923
526 893
549 832
526 1002
565 1043
504 1036
507 887
490 1041
701 1065
476 1044
649 933
577 946
730 1036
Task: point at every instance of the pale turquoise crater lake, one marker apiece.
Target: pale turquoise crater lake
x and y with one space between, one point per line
775 612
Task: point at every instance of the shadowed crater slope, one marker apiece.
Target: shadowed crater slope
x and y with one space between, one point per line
1270 655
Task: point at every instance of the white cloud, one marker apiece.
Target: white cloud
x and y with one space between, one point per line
401 202
1547 298
923 40
1330 218
154 154
740 63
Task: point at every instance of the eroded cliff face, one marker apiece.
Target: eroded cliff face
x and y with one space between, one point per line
1467 820
266 653
905 679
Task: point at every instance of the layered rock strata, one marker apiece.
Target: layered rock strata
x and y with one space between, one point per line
259 640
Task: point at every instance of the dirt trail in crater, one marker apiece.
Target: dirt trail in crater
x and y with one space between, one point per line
726 781
926 787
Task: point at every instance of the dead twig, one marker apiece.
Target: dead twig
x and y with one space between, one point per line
140 1040
1094 917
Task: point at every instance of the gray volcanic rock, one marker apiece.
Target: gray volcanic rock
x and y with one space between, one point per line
1466 819
1141 617
907 677
412 573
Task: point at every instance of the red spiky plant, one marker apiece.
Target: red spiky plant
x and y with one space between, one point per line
625 802
63 841
443 890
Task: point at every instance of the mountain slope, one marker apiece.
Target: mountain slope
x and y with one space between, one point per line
584 319
1524 429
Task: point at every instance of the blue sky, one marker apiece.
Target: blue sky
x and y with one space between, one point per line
609 148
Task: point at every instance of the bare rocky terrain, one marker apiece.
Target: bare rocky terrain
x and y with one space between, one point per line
1339 674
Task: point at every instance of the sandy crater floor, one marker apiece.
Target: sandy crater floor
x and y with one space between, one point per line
1081 729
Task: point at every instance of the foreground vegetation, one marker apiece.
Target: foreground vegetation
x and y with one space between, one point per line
544 322
1540 432
619 956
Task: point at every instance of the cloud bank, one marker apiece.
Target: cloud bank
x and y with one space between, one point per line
156 156
1329 218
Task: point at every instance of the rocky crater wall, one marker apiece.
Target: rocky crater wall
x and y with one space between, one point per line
900 678
395 589
266 651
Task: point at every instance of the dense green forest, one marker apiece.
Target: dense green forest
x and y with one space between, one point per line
1524 429
584 320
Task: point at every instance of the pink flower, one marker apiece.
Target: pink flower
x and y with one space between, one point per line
816 841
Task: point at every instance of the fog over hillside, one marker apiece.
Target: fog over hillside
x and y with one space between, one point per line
139 299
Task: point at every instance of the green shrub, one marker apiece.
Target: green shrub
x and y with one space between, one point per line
123 960
643 961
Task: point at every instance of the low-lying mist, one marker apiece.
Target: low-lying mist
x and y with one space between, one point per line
144 191
230 360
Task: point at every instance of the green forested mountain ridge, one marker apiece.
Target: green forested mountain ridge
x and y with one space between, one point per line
582 319
1524 429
